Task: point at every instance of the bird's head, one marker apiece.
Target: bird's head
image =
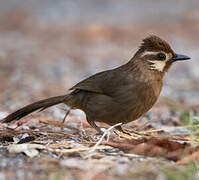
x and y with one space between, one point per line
157 54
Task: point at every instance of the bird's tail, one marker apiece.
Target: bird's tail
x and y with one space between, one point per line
43 104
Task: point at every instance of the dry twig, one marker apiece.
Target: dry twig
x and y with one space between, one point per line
101 139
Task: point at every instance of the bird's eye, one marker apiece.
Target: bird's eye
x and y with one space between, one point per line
161 56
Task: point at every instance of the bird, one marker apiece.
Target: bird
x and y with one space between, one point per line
119 95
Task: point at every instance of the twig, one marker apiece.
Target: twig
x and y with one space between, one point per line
138 133
68 151
101 139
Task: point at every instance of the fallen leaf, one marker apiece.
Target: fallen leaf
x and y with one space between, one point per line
152 146
29 149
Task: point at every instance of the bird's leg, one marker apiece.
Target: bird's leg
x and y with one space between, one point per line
67 113
92 123
119 128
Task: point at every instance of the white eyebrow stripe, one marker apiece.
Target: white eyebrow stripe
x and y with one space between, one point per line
148 53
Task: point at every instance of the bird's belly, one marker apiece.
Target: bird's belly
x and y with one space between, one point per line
137 111
137 106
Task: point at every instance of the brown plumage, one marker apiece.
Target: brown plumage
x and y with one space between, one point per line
118 95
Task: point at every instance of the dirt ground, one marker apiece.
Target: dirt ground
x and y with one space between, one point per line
48 46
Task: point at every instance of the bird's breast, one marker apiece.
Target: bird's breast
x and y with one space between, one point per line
139 99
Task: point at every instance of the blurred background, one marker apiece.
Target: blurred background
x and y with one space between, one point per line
48 46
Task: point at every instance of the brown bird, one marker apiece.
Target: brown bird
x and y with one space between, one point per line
119 95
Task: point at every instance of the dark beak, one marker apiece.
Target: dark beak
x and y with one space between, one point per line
180 57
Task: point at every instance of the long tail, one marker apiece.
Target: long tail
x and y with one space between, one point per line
43 104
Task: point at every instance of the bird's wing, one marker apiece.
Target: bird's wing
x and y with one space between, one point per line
97 83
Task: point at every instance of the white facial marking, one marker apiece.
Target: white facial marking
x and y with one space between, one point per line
157 64
148 53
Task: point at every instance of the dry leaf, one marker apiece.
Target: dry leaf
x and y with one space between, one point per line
152 146
29 149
